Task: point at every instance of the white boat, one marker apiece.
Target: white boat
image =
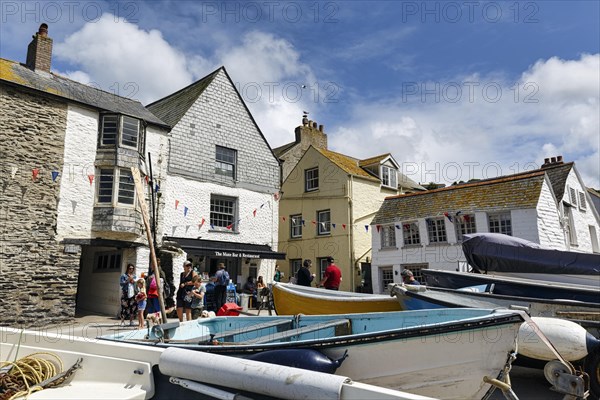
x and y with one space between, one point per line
111 370
443 353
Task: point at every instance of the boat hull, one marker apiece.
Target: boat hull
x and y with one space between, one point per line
295 299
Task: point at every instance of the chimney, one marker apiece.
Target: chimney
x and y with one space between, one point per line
39 51
559 159
321 128
553 160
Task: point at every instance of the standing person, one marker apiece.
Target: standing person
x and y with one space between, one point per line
222 277
184 300
304 277
260 289
140 298
277 277
128 303
197 297
408 278
332 276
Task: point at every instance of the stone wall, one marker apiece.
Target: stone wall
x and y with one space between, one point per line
306 135
38 280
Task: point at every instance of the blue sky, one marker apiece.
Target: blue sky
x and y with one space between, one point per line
454 90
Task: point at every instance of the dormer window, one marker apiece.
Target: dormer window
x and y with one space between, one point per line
389 176
120 129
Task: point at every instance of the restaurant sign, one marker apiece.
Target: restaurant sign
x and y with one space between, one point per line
235 254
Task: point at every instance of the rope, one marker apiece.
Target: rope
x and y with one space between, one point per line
23 377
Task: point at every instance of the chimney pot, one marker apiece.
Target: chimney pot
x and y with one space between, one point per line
559 159
553 160
321 128
546 161
43 31
314 125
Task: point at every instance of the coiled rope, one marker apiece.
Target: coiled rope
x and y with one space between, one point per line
27 375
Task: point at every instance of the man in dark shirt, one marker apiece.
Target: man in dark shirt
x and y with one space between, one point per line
332 277
408 278
304 277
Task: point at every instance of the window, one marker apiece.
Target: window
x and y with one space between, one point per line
582 202
387 277
570 225
296 226
323 222
410 231
323 264
500 223
465 224
126 131
295 265
105 185
436 229
225 162
388 236
107 262
223 212
572 196
389 177
108 186
126 187
311 178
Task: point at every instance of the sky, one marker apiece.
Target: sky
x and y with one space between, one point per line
454 90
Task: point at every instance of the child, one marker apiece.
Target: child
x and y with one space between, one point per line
140 298
197 297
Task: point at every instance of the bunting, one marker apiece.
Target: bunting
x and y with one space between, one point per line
185 211
91 178
176 204
54 176
367 228
332 224
378 227
35 173
448 216
201 223
398 227
73 205
254 213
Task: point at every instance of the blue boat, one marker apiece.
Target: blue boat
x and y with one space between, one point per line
456 348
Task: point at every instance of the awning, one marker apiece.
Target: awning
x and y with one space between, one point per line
217 248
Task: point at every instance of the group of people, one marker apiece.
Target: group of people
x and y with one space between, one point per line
139 296
332 277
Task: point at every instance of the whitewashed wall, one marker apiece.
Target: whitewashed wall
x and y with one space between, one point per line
550 233
582 218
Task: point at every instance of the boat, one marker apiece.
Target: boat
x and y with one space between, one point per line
515 257
111 370
511 286
292 299
456 348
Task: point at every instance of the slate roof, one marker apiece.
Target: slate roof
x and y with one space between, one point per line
558 177
173 107
506 193
18 74
278 151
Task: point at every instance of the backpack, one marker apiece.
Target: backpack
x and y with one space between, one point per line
224 278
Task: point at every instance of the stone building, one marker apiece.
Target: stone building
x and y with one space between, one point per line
219 202
549 206
69 219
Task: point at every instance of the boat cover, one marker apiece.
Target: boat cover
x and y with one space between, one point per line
495 252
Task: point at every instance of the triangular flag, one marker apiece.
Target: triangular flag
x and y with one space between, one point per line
186 228
201 223
276 196
367 228
91 178
314 222
185 210
13 171
333 225
302 222
35 173
378 227
176 204
283 218
397 226
212 226
254 212
261 206
146 178
448 216
74 205
173 230
344 226
157 188
229 226
54 176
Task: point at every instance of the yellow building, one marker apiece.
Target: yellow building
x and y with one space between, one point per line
328 201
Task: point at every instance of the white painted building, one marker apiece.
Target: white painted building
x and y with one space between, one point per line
218 184
549 206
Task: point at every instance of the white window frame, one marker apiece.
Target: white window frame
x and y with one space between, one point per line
295 265
500 223
386 276
222 223
464 224
572 232
388 237
118 189
323 264
582 201
224 156
296 226
311 179
436 230
122 122
323 224
389 177
411 235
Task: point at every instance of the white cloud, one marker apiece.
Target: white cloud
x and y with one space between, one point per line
114 53
484 124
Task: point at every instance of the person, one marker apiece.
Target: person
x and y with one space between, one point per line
211 303
152 302
184 299
221 285
303 276
260 289
250 288
408 278
128 303
140 298
197 297
278 275
332 276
